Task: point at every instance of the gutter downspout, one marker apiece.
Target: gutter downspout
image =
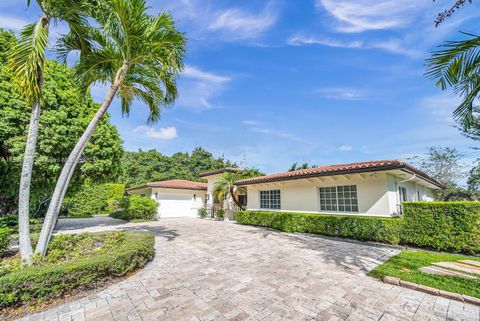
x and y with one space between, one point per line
397 192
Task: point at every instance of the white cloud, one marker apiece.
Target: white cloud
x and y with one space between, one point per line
163 133
342 93
198 88
345 148
362 15
441 106
250 122
12 23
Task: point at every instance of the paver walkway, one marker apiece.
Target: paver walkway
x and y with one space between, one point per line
207 270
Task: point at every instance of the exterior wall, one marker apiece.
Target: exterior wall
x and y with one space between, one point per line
377 194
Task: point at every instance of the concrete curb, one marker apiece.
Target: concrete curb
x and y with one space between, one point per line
432 291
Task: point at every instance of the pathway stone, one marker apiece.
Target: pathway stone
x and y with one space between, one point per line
207 270
459 266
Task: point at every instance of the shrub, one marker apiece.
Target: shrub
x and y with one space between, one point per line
5 234
93 199
37 283
445 226
220 213
363 228
136 207
202 212
11 222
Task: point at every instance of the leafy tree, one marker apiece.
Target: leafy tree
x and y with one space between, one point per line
148 166
296 167
65 115
140 55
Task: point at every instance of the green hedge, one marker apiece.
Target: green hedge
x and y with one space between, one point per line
136 207
445 226
93 199
38 283
362 228
5 235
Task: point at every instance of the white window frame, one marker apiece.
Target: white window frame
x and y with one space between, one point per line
269 199
403 194
336 201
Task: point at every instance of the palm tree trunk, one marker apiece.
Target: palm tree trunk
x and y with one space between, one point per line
235 199
24 241
24 190
71 163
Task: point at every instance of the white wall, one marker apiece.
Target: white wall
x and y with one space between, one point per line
377 194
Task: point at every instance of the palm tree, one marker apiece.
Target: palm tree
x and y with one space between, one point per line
457 65
27 63
226 186
140 55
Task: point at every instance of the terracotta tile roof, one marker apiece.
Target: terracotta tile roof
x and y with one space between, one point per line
339 170
175 183
221 170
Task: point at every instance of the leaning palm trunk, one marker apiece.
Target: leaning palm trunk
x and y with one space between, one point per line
25 180
232 192
70 165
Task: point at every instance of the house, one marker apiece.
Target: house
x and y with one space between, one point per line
176 198
375 188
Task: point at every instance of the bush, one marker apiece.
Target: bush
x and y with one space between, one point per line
136 207
85 270
93 199
362 228
443 226
202 212
11 222
5 234
220 213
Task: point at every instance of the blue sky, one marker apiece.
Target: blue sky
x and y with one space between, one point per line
269 83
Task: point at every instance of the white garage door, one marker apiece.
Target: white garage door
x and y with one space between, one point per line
175 205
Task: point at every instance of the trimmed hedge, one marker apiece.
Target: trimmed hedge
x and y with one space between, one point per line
362 228
136 207
93 199
37 283
445 226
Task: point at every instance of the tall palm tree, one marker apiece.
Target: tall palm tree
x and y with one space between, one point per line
27 63
140 55
226 186
457 65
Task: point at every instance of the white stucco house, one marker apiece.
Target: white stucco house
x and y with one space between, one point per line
375 188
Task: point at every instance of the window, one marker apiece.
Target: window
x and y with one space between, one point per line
242 199
270 199
403 194
339 198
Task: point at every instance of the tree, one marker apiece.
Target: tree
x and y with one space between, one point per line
295 166
140 55
27 62
226 185
64 116
448 13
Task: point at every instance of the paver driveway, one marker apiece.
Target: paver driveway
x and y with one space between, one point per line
206 270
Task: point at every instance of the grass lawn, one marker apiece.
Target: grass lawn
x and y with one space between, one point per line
405 266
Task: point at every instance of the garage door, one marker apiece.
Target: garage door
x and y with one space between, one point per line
175 205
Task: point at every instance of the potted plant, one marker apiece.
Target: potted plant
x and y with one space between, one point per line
202 212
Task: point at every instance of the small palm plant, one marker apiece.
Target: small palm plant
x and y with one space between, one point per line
27 63
457 65
226 186
139 55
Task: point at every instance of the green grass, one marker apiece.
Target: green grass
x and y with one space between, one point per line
406 264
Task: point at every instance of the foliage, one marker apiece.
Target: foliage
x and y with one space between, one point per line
362 228
5 234
136 207
202 212
11 222
448 13
93 199
226 185
220 213
445 226
456 65
406 267
296 167
91 259
65 115
148 166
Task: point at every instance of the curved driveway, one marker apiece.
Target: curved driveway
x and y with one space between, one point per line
207 270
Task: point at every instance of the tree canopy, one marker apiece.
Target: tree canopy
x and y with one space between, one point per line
65 115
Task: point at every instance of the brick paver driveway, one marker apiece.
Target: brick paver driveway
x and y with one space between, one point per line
206 270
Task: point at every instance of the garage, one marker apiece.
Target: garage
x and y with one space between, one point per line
175 198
